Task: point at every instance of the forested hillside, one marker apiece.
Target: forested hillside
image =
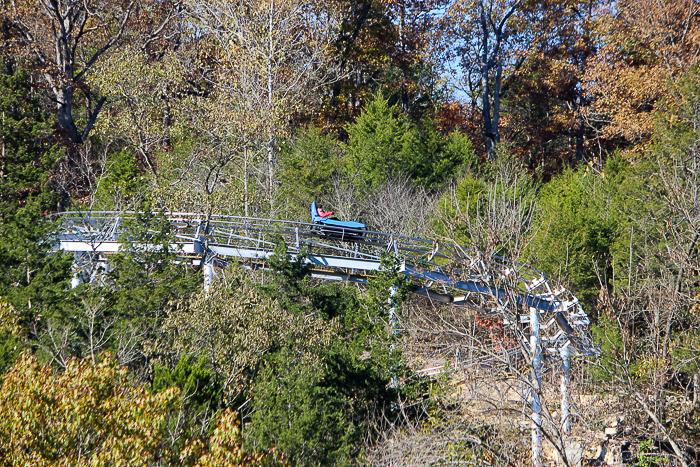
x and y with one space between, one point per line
560 134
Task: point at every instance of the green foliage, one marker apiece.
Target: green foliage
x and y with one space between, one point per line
94 414
31 279
309 164
677 130
123 185
144 281
288 280
27 154
10 348
297 393
379 142
316 404
201 397
271 342
686 346
608 336
435 160
577 231
470 195
489 211
202 173
383 143
224 448
233 327
290 284
386 290
331 369
635 207
10 344
123 309
292 402
590 224
144 112
645 458
200 387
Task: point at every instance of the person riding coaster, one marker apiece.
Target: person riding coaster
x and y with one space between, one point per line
323 213
334 227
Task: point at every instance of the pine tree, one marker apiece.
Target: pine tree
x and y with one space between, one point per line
32 279
383 144
379 143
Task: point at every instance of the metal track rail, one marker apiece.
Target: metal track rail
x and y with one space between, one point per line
444 272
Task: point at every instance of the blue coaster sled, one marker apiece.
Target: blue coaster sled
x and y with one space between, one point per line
336 228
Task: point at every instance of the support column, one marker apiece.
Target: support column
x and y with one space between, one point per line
394 325
535 353
208 269
393 319
201 245
76 280
565 353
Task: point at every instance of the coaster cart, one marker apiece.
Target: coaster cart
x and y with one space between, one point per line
333 228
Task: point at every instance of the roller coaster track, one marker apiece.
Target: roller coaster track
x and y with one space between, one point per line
439 271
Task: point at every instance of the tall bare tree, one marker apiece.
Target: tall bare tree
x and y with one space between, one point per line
482 38
274 57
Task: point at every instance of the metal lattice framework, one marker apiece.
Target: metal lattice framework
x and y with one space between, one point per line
443 272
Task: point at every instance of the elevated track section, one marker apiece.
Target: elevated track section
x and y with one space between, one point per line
440 271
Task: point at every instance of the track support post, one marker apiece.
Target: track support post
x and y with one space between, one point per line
565 354
393 318
536 355
208 270
77 277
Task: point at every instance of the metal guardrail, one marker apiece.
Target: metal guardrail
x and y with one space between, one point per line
444 272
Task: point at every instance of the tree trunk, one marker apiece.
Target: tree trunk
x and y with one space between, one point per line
491 60
246 201
270 104
486 89
270 163
579 141
64 113
496 118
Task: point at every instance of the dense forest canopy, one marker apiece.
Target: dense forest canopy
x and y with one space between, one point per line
562 134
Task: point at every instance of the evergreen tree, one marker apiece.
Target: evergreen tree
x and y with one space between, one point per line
123 186
435 159
383 143
316 393
145 283
32 279
378 143
580 231
309 164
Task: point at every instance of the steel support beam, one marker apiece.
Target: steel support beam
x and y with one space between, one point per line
536 382
565 353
